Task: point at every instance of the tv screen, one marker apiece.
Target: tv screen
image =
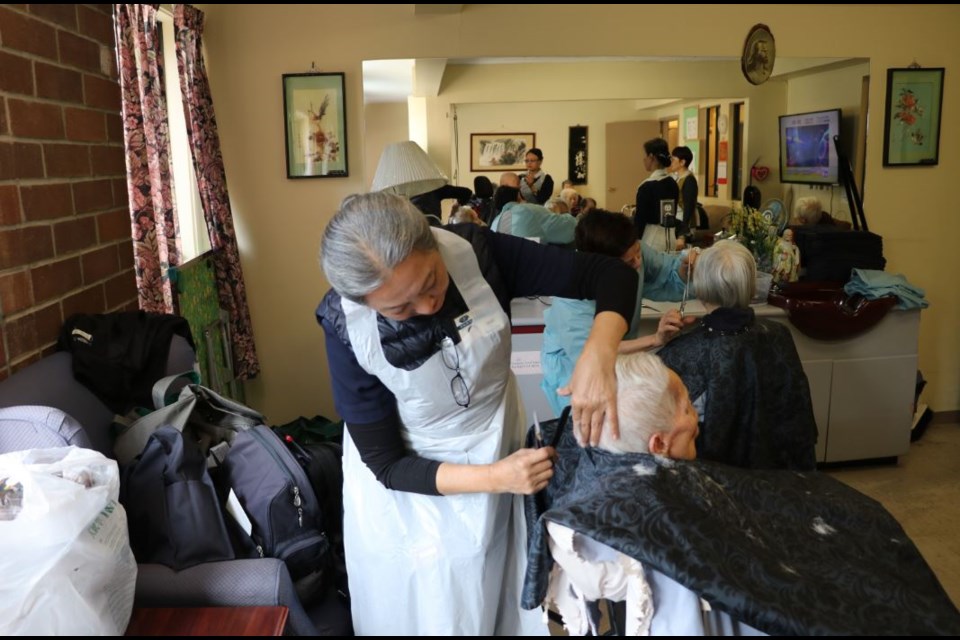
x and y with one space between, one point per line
807 152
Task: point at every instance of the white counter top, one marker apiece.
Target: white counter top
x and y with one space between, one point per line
529 311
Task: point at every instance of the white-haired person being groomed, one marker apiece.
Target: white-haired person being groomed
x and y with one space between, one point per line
690 547
743 372
418 347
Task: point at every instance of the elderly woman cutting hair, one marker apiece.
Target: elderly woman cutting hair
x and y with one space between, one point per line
418 343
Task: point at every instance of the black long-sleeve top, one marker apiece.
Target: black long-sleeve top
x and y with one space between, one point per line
515 267
649 195
429 203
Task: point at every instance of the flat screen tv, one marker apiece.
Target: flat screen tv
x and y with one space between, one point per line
807 152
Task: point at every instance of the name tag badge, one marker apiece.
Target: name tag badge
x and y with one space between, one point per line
464 322
668 213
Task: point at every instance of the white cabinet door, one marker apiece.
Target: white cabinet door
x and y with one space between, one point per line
819 374
871 408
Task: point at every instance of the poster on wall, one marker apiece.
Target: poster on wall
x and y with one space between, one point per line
577 159
694 146
690 123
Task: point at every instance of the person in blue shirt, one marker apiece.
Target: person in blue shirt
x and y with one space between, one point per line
568 321
527 220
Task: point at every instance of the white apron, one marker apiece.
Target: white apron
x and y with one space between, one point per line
441 565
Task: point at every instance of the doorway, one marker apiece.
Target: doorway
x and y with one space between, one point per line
625 169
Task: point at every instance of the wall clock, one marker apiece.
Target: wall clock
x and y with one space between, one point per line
759 52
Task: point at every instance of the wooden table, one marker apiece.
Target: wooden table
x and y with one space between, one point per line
207 621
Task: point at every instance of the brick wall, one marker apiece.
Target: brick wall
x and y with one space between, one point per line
64 225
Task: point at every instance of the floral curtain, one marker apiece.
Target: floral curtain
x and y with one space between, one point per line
212 182
156 238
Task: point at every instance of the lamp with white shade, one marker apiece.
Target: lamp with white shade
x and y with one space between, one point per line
406 170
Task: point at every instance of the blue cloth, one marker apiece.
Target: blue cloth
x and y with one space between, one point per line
568 322
873 284
534 221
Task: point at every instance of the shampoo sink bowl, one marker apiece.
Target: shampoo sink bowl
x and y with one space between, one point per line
822 310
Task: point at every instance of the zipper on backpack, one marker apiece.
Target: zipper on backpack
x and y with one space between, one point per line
297 501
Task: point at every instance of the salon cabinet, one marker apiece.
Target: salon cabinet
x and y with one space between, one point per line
862 388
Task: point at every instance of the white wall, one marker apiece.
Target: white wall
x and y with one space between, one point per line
383 124
551 122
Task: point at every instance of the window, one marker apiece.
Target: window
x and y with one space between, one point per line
193 229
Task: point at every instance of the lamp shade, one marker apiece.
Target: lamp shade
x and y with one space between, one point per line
406 170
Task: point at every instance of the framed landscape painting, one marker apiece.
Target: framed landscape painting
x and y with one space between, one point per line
500 151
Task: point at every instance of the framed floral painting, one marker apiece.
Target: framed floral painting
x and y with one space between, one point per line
911 133
315 122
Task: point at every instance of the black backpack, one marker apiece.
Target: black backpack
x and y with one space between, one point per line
316 445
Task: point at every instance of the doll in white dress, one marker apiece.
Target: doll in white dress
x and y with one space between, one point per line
786 259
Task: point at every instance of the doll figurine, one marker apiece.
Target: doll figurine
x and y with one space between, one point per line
786 259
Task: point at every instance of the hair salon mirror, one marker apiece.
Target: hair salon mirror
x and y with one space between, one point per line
704 104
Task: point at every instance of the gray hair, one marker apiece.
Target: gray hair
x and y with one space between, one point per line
463 213
725 275
645 404
367 238
567 192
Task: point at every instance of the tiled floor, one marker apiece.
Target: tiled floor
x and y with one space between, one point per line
922 491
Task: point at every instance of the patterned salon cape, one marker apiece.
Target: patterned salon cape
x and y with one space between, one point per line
787 552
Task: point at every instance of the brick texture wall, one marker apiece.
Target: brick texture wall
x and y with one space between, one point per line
65 243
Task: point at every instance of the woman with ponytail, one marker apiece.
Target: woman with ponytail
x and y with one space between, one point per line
656 213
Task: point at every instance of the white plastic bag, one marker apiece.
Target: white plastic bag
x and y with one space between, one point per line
66 563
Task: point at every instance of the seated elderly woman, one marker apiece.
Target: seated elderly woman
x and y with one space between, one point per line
701 548
743 372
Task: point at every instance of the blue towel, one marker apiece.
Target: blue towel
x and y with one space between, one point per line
873 284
